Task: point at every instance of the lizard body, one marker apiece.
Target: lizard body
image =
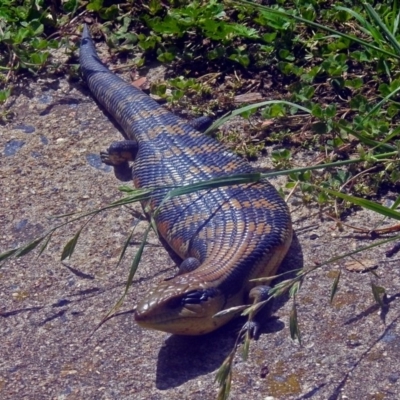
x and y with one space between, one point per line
223 236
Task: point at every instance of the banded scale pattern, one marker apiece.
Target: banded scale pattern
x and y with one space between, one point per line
233 233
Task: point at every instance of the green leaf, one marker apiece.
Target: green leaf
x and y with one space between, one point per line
361 56
70 246
317 111
274 111
136 260
7 254
166 57
293 323
126 244
269 37
281 155
355 83
330 110
238 111
378 292
244 31
95 5
109 13
246 346
214 183
320 128
295 289
29 247
370 205
335 286
154 6
359 103
286 54
71 6
39 44
4 95
39 58
240 58
134 196
224 377
43 248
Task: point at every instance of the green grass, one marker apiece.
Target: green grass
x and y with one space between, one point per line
328 70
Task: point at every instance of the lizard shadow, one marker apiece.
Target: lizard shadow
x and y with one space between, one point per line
184 358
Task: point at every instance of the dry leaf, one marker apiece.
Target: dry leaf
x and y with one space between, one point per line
362 265
267 123
248 98
139 82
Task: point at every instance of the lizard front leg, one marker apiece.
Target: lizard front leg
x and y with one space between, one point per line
118 155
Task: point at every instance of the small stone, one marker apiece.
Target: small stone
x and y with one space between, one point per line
25 128
12 147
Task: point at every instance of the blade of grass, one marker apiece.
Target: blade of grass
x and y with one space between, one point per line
366 140
250 107
214 183
335 286
366 27
368 204
373 15
384 100
43 248
125 246
30 246
7 254
136 260
294 323
133 269
69 248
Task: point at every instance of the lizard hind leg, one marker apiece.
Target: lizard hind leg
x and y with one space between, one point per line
201 124
187 265
118 155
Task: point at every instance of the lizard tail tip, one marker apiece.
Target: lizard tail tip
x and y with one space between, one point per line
85 32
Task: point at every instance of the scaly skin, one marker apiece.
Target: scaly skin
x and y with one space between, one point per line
231 234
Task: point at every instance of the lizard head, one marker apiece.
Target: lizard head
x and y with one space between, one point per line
182 306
